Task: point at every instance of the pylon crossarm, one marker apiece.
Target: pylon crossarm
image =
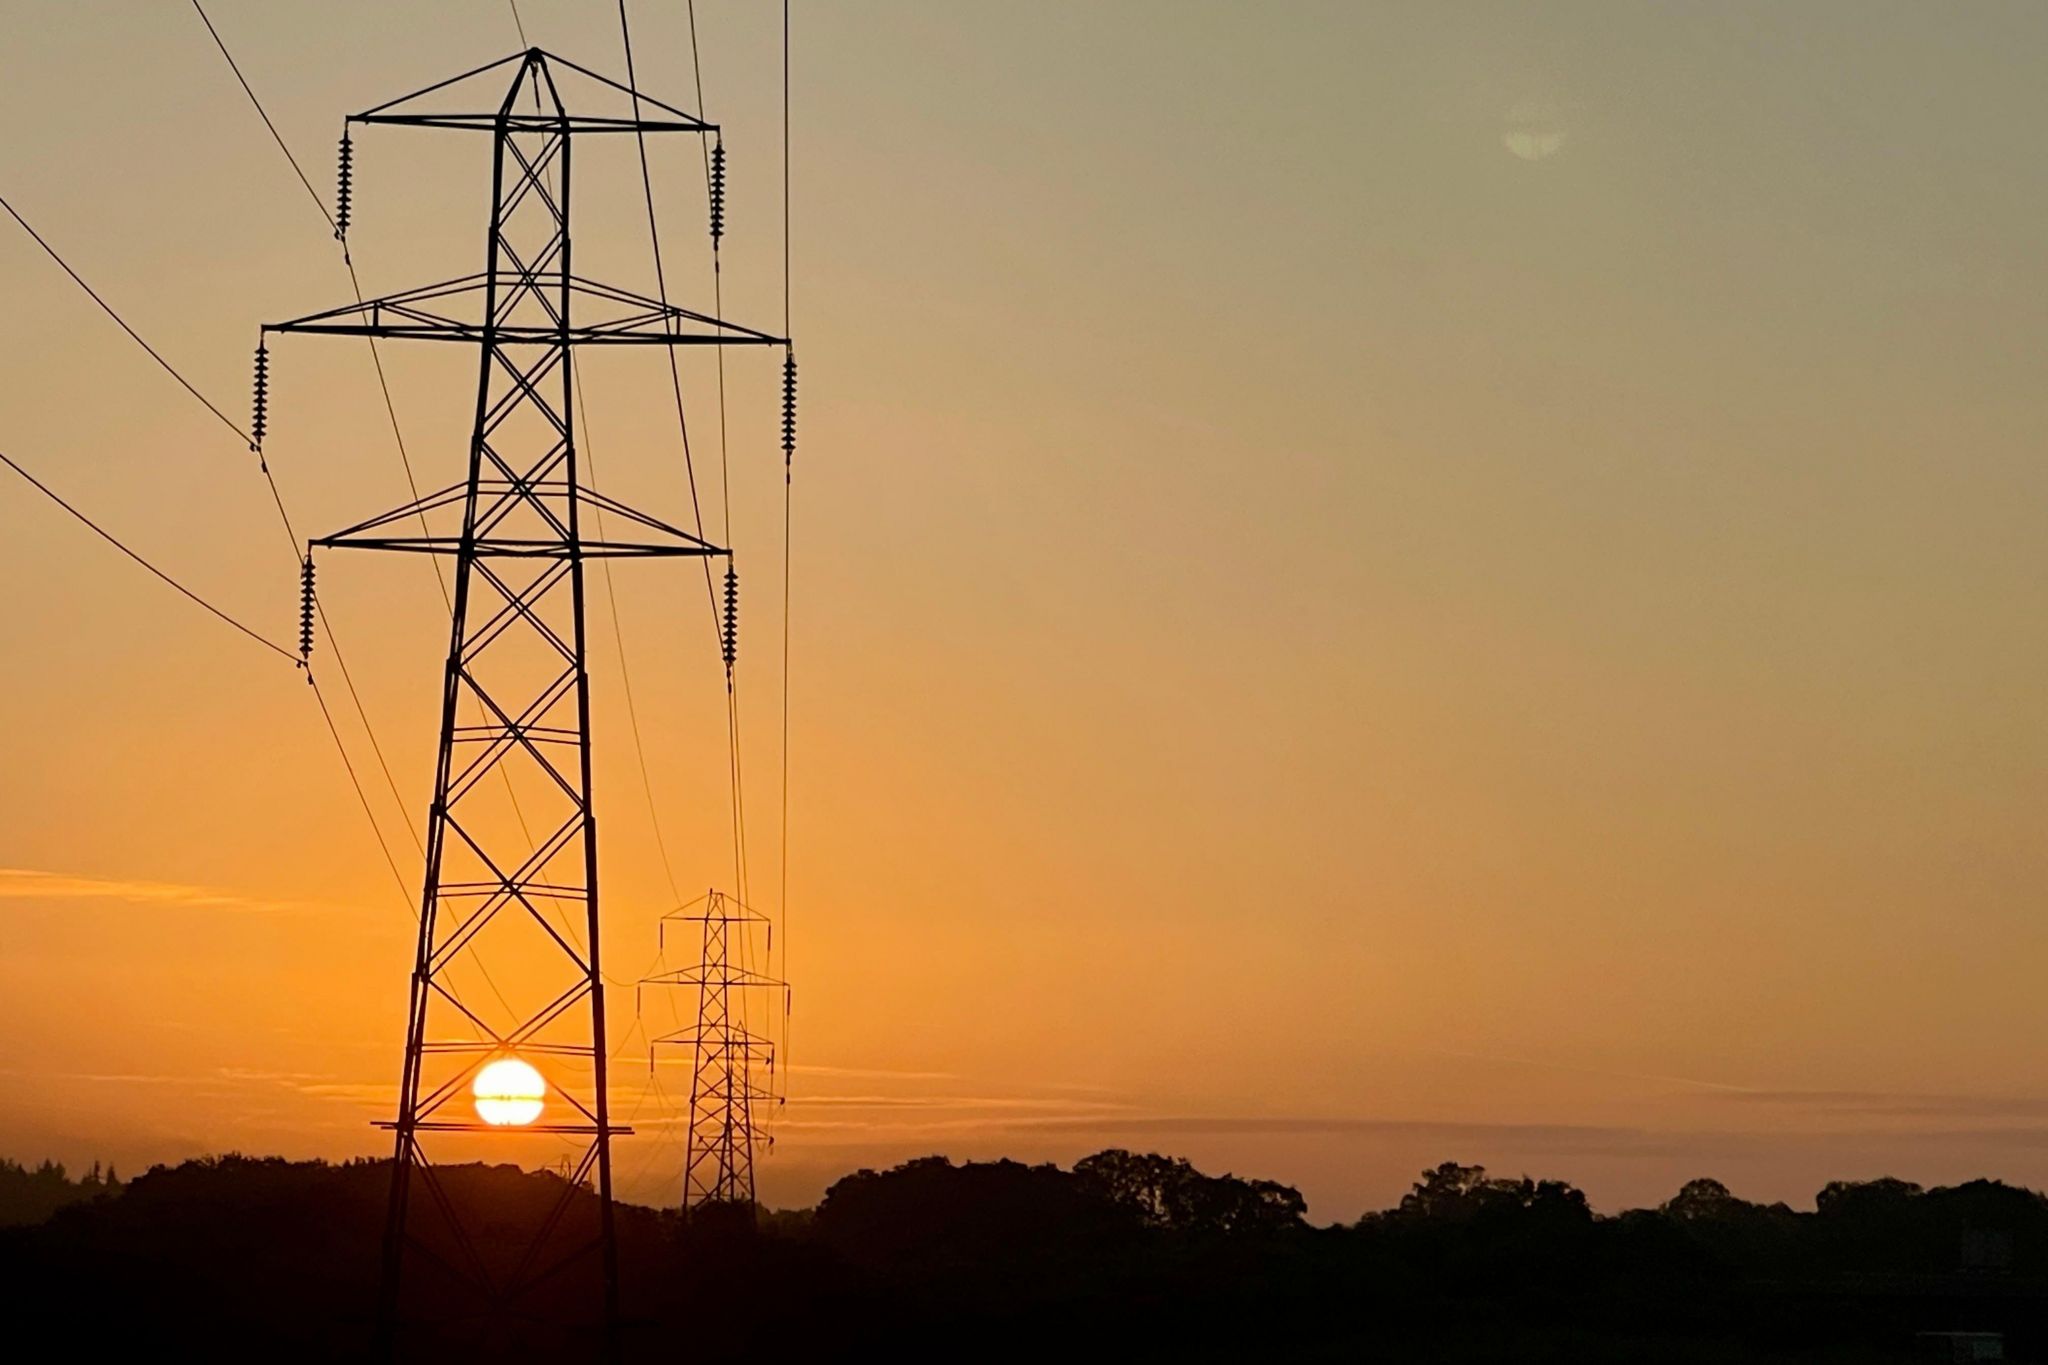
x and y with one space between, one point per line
643 322
717 1036
525 549
478 1126
712 976
452 1086
537 67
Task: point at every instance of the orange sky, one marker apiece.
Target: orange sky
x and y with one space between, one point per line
1375 584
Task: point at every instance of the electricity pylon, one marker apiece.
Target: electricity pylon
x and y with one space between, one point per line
732 1068
515 712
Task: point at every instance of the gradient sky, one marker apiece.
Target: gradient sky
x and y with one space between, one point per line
1375 583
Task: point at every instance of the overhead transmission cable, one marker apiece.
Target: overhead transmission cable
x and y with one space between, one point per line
611 595
619 639
118 544
788 473
340 230
333 640
276 497
355 697
689 461
714 181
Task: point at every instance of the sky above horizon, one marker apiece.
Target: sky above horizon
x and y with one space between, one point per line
1375 584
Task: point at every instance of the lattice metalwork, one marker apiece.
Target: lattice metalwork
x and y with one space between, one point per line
732 1066
511 875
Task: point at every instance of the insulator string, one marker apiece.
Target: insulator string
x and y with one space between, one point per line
343 190
729 637
259 407
717 195
788 409
307 609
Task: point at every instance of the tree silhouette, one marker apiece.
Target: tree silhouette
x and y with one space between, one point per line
1169 1194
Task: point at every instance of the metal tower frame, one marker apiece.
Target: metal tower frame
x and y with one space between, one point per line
727 1057
516 691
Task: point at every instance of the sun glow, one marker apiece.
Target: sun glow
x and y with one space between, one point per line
508 1093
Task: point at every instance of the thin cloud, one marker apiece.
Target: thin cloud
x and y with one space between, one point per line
1111 1126
1008 1102
20 883
1888 1104
869 1073
1688 1082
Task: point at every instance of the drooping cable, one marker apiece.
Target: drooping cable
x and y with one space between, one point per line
340 748
788 467
314 194
277 500
661 288
136 337
619 639
714 183
683 426
397 877
117 543
340 225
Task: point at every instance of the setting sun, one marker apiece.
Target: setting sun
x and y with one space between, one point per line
508 1093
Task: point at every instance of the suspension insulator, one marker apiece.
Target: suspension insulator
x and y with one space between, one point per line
260 408
306 609
788 408
729 633
342 188
717 192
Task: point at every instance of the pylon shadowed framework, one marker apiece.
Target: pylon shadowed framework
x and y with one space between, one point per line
515 721
732 1067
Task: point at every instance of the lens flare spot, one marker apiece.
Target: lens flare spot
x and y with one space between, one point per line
1535 131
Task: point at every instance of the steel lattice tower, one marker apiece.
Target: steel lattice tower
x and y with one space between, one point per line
516 704
727 1058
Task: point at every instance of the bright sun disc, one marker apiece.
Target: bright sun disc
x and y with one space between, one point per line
508 1093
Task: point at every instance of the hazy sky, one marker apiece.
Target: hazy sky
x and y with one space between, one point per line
1376 583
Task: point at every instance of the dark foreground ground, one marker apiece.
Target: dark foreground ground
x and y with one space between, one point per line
1125 1257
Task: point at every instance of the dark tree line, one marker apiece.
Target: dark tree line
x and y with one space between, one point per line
1123 1256
30 1194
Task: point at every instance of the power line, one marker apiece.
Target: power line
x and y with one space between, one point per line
683 425
390 409
619 639
782 833
116 542
376 356
736 772
398 878
277 500
405 459
661 286
108 309
281 651
318 202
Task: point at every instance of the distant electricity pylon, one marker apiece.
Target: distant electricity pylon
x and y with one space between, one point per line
511 846
732 1068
